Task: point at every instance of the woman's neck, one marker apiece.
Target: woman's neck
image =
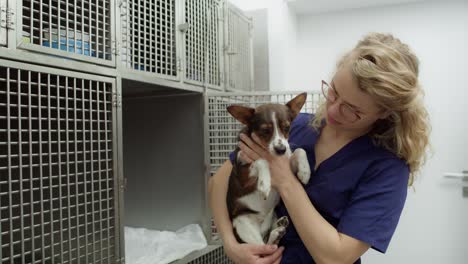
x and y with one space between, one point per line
342 135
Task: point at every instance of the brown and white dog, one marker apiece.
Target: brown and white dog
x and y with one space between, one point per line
250 199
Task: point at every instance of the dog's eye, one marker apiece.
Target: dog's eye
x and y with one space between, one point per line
266 130
287 128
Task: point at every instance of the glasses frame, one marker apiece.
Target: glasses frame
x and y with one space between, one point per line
343 106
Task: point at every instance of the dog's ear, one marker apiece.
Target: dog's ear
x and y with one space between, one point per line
296 104
241 113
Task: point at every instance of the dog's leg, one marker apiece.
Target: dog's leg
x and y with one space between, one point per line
278 230
268 222
261 170
248 229
300 165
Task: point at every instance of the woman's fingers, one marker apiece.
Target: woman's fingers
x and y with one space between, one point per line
273 258
245 158
255 148
257 140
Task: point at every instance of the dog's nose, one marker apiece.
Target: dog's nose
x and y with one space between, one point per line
280 150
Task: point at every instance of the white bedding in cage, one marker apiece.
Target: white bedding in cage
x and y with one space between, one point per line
145 246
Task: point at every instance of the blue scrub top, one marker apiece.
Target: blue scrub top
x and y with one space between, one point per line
360 190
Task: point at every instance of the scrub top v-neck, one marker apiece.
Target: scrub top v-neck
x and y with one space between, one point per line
360 190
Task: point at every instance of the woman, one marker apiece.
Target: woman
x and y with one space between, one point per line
365 145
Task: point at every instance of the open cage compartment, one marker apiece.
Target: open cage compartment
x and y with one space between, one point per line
148 37
238 50
203 42
58 201
164 163
74 29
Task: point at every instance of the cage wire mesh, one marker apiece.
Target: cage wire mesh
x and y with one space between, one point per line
239 53
149 36
217 256
202 42
223 129
56 169
75 26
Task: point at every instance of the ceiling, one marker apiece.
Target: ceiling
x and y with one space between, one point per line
322 6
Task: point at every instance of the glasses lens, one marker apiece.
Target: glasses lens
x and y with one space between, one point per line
349 113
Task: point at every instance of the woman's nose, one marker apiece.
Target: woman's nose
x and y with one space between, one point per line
334 108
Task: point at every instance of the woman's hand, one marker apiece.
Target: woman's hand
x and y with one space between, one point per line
254 254
280 168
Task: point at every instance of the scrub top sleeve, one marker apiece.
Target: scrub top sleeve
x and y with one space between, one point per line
232 156
376 204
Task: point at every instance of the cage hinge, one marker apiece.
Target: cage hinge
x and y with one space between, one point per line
116 99
123 184
115 47
7 18
179 64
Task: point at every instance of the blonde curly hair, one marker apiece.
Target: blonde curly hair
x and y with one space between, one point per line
387 70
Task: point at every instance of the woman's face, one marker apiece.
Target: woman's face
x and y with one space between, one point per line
351 109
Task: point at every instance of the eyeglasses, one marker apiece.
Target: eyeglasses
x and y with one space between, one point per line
348 112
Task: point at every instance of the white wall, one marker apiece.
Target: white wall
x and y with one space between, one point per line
282 42
434 224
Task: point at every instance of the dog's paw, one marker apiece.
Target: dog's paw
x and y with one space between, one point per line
276 235
283 221
303 173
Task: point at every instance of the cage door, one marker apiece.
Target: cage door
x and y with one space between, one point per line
149 36
3 22
239 54
203 42
81 30
57 188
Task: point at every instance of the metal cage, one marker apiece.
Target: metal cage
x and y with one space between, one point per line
203 42
223 129
57 198
149 36
82 30
239 56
